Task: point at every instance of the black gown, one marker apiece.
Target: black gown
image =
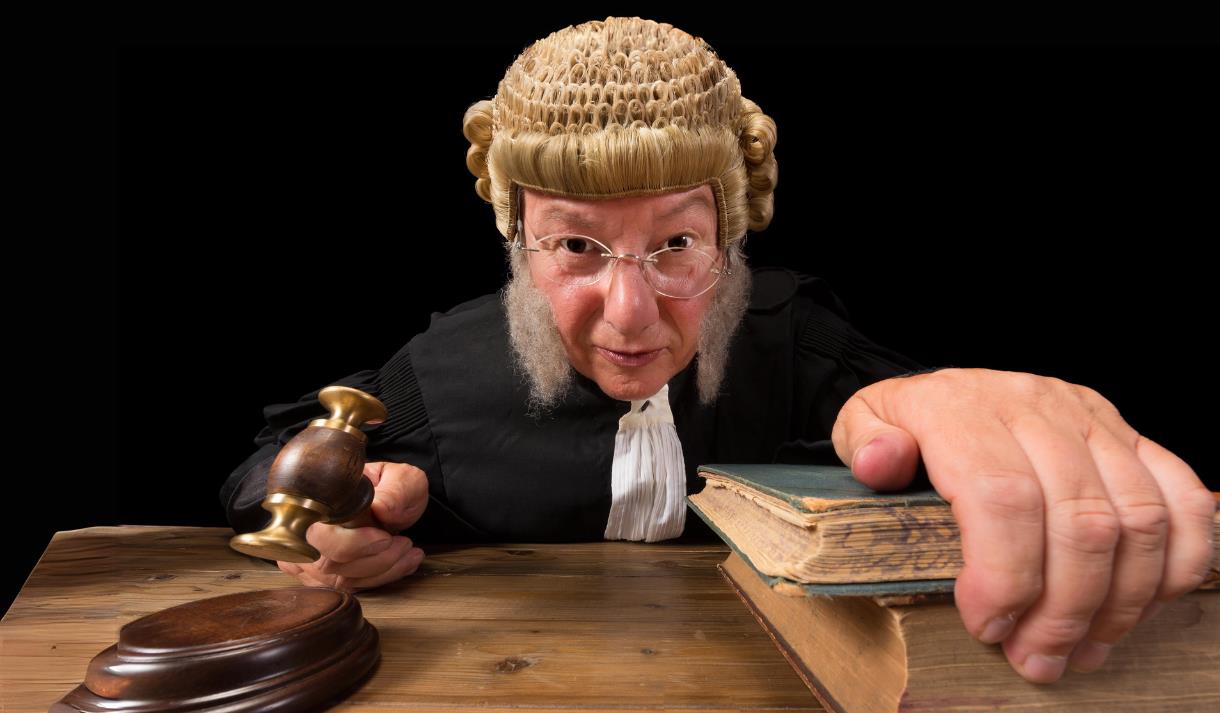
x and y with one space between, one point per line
458 411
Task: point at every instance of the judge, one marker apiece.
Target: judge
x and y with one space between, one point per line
633 343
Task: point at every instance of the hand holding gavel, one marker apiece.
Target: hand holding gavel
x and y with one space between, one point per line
335 518
363 554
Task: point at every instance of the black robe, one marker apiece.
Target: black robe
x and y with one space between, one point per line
458 411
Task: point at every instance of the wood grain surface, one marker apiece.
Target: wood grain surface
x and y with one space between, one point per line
605 626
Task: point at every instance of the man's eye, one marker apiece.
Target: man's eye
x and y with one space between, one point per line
680 241
576 245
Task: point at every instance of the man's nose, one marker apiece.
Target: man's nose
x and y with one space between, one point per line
631 303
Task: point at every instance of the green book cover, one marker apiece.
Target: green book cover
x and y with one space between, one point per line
819 488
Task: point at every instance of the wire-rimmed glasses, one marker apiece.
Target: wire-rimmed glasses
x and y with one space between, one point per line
682 269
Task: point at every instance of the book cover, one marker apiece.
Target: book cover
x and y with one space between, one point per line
814 530
790 587
817 525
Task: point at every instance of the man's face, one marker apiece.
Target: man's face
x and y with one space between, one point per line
619 332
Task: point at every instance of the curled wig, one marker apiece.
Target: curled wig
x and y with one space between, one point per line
623 107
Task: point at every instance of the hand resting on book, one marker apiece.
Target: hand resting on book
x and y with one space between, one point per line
367 557
1074 527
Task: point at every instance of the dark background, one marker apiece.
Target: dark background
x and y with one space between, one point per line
237 218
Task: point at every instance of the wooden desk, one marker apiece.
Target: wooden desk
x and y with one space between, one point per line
591 627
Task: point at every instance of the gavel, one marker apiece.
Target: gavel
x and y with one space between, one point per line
318 476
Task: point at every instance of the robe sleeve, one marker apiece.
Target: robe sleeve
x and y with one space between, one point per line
833 361
405 437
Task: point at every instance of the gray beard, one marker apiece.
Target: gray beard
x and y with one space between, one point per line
540 357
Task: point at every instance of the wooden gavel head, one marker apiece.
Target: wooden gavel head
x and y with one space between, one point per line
317 476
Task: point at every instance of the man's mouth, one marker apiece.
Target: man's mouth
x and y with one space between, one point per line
629 358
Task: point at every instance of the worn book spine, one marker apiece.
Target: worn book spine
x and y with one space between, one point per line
819 691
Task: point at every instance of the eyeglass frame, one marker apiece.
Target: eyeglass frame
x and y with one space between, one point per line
612 258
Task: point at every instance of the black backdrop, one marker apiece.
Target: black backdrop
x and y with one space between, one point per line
286 212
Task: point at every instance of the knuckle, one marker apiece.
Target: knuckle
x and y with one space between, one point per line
1036 388
1122 616
324 565
1009 590
1012 494
1200 503
1051 395
1145 523
1087 525
399 568
410 470
1194 560
1094 400
405 471
1059 630
391 554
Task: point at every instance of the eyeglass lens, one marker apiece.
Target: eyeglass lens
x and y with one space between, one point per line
674 270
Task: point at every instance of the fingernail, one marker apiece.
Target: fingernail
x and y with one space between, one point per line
1044 669
1089 656
1150 611
860 453
379 546
998 628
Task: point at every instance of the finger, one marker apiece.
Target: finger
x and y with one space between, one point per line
305 574
345 544
370 566
1082 532
313 579
372 471
400 497
996 498
1139 558
1192 512
881 456
406 565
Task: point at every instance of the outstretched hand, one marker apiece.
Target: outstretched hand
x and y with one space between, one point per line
1074 527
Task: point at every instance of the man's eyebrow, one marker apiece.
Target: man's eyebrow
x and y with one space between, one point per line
559 213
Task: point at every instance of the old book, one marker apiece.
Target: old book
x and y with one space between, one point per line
910 652
818 525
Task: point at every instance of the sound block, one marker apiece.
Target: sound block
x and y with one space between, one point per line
293 649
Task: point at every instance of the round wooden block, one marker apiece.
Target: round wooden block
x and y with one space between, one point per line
291 649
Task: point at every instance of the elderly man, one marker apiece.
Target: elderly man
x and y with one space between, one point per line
632 343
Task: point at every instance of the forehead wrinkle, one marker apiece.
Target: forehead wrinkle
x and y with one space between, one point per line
562 214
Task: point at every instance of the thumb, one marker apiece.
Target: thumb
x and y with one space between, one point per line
882 456
400 496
